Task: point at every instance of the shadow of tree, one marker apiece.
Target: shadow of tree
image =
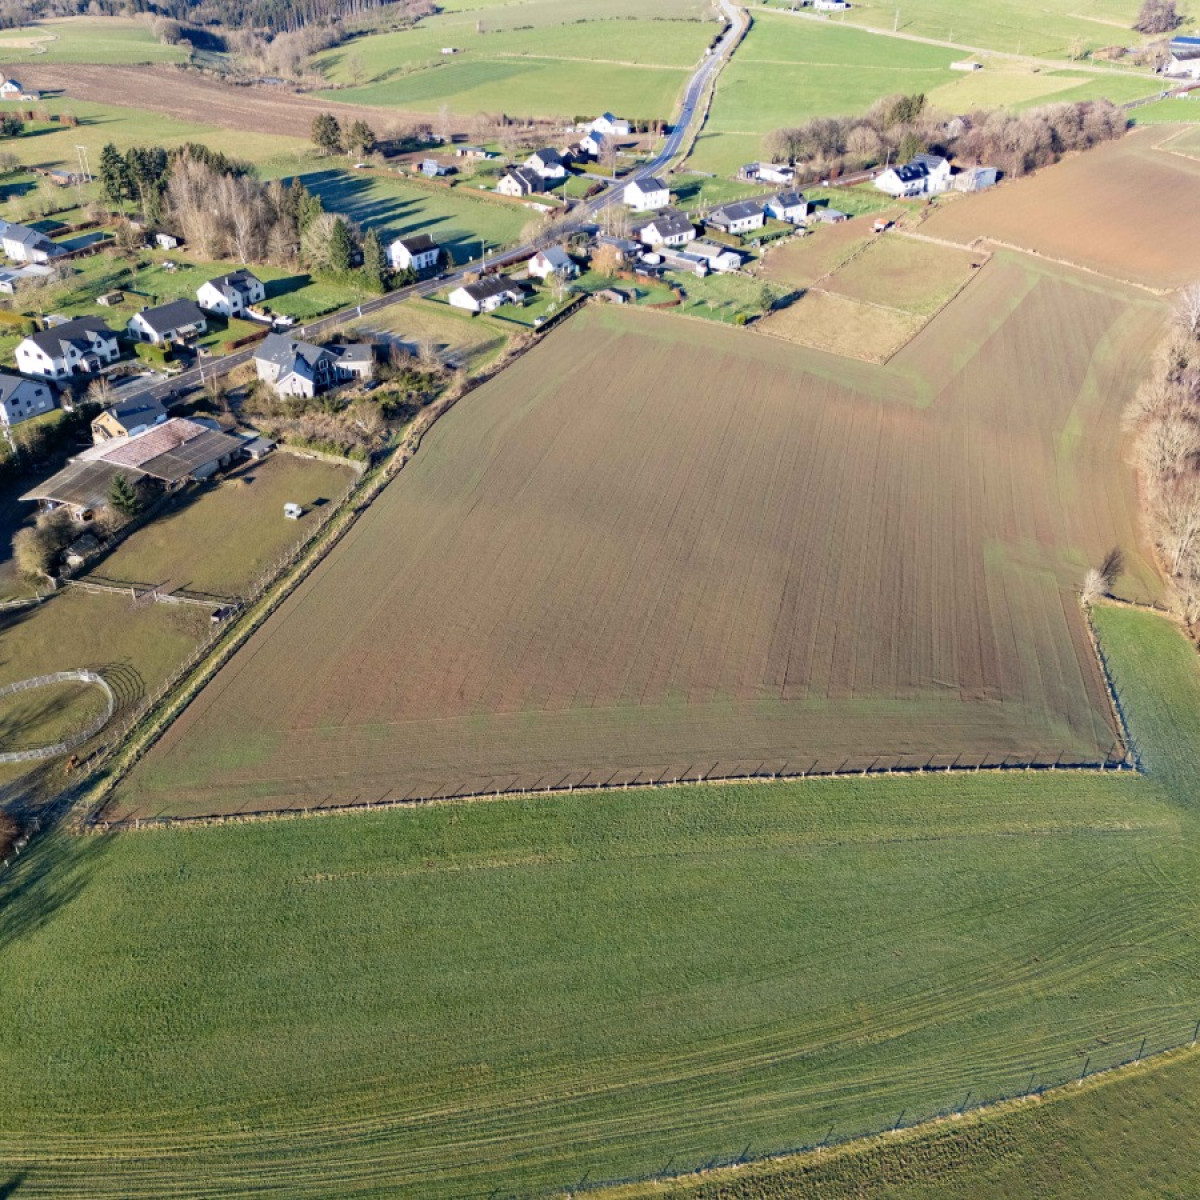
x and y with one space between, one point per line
10 1186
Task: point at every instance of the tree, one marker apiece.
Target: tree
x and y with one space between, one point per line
375 265
766 298
359 138
606 260
905 110
123 496
1093 587
113 175
1189 310
327 133
1157 16
36 549
356 68
341 246
911 144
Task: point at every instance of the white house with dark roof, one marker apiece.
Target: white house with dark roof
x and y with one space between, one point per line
520 181
924 175
554 260
593 144
762 172
743 216
670 228
721 259
177 321
645 195
547 163
1184 61
611 126
231 295
78 347
296 368
486 294
791 207
418 252
25 245
21 399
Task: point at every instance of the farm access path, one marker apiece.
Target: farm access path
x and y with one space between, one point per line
691 109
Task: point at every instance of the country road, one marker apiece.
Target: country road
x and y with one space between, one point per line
706 73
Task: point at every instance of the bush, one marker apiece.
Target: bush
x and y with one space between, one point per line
156 356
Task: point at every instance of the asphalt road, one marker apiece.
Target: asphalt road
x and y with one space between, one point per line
709 67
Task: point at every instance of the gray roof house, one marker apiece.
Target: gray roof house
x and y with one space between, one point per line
75 347
486 294
669 228
127 417
740 217
26 245
296 368
788 206
230 295
21 399
173 322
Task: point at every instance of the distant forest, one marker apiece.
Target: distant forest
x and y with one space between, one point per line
267 16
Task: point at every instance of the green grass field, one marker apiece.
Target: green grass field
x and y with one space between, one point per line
528 993
115 40
454 336
221 535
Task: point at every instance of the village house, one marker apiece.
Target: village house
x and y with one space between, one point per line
416 253
547 163
231 295
790 207
831 5
127 418
432 168
21 399
1184 61
25 245
520 181
760 172
645 195
177 321
611 126
740 217
11 89
295 368
593 144
486 294
680 260
77 347
924 175
554 260
670 228
719 258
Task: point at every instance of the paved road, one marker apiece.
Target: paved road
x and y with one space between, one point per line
708 69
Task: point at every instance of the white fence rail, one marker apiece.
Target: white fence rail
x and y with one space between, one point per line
80 735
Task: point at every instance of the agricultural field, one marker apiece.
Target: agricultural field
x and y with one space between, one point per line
524 994
1024 83
802 262
905 273
456 217
88 40
553 61
1127 209
219 536
843 326
786 71
680 558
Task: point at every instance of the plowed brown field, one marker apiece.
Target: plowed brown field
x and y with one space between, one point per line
654 547
1126 209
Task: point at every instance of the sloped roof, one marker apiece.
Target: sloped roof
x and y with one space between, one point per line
493 285
650 184
738 211
80 483
138 410
669 222
181 460
418 243
168 317
53 339
788 199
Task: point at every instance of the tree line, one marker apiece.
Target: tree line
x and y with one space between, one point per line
898 127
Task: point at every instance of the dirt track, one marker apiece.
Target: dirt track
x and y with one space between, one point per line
190 96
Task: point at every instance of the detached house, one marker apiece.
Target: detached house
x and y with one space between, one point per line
520 181
925 175
127 418
719 258
417 253
593 144
788 206
554 260
548 164
295 368
670 228
77 347
21 399
1185 58
25 245
611 126
645 195
177 321
762 172
486 294
231 295
741 217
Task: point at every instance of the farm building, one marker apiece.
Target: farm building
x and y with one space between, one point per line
719 258
787 206
295 368
231 295
611 126
127 418
669 228
486 294
739 217
645 195
679 260
520 181
11 89
832 216
166 241
975 179
78 347
626 250
547 163
613 295
760 172
554 260
1184 61
177 321
21 399
25 245
473 152
432 168
925 175
417 253
831 5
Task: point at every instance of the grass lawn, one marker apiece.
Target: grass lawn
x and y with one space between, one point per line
843 326
89 40
1175 111
221 535
718 297
905 273
454 336
457 218
1022 83
525 993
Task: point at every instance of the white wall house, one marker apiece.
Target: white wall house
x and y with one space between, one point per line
667 229
719 258
520 181
231 295
25 245
295 368
486 294
418 253
645 195
21 399
741 217
77 347
611 126
547 163
788 206
178 321
554 260
593 144
1184 62
926 174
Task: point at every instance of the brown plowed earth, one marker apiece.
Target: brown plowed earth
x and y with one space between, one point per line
190 96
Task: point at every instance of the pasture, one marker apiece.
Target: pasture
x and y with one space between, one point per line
521 995
107 40
219 536
1126 209
786 558
844 326
905 273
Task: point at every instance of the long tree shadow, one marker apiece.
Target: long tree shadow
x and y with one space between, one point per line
10 1186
